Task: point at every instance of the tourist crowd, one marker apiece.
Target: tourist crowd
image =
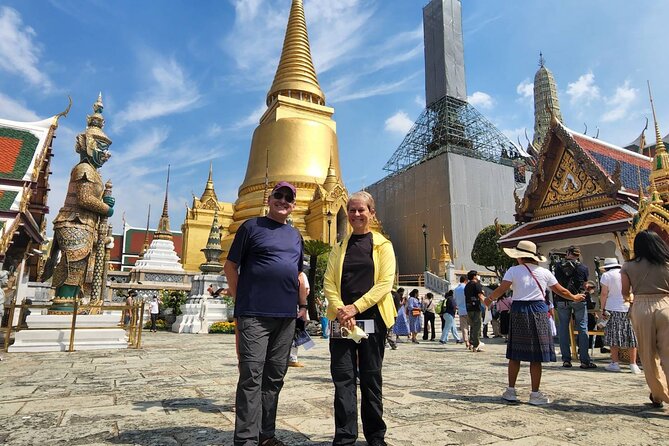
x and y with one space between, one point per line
264 270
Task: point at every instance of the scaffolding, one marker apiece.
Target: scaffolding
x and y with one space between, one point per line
453 125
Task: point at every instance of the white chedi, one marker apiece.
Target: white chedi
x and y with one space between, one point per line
161 256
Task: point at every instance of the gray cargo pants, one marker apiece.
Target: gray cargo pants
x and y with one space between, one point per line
264 346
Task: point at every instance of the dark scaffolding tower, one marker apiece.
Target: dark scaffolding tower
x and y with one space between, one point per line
452 125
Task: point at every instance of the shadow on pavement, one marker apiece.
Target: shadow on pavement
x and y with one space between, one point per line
643 410
202 404
197 436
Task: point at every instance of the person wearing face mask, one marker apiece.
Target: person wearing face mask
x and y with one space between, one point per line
358 284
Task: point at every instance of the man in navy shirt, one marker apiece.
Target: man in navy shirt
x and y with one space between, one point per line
262 271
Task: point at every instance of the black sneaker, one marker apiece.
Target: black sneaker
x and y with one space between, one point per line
566 364
377 442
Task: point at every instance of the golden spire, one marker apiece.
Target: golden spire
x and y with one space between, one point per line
209 191
331 179
163 231
445 255
145 247
295 75
659 172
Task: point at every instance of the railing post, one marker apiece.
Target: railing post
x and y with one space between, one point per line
141 326
74 324
21 311
10 321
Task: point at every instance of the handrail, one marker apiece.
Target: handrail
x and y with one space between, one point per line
436 283
134 329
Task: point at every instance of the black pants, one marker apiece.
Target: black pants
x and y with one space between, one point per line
345 355
429 318
154 318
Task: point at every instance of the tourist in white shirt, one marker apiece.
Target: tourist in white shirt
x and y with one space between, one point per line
618 332
530 337
154 309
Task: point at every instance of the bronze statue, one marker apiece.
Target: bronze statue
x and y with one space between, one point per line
76 226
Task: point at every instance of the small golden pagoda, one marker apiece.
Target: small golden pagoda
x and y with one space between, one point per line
445 256
197 225
296 141
653 211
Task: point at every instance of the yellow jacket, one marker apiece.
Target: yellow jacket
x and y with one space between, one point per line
383 256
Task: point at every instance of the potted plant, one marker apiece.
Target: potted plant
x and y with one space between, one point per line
230 307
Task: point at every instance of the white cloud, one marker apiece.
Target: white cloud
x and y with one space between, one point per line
525 89
140 150
584 89
252 118
19 54
171 91
16 111
399 123
419 101
620 102
374 90
481 100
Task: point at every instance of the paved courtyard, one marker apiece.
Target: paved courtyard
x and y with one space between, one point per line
179 390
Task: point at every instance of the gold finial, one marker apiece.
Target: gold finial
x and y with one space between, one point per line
163 231
295 76
65 112
145 246
659 144
209 191
445 254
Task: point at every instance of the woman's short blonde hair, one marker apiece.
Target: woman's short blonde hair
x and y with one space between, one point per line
363 196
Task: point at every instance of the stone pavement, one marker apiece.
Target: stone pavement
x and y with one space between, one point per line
179 390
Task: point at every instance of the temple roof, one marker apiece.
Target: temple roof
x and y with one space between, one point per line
24 147
296 73
581 186
613 218
608 156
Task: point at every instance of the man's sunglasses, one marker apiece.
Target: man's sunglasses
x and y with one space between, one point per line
279 195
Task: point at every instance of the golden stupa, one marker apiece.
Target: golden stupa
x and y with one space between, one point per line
197 225
295 141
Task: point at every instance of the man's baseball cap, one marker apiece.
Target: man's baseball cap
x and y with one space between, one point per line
281 184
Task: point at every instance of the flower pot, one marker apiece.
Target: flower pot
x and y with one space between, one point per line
230 313
325 326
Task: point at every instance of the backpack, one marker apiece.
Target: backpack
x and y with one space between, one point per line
439 308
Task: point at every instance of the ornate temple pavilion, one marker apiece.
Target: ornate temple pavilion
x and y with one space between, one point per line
24 186
197 225
583 192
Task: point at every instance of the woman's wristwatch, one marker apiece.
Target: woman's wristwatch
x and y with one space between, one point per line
301 306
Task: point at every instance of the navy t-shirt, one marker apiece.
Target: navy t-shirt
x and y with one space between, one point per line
269 255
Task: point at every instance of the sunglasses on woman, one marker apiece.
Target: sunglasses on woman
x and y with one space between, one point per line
287 196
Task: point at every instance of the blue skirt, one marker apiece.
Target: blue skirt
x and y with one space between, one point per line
530 337
401 327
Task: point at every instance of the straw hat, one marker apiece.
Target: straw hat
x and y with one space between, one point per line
611 262
525 248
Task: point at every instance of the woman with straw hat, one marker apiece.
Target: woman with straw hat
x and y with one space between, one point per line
530 337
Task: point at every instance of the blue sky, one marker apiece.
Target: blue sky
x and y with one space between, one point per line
184 82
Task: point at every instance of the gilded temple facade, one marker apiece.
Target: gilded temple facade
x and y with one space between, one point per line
295 141
197 225
654 210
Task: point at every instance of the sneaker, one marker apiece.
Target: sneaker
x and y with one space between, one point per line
566 364
460 341
295 364
613 367
538 399
635 369
479 349
510 395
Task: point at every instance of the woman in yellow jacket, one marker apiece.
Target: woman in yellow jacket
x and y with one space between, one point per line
358 282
